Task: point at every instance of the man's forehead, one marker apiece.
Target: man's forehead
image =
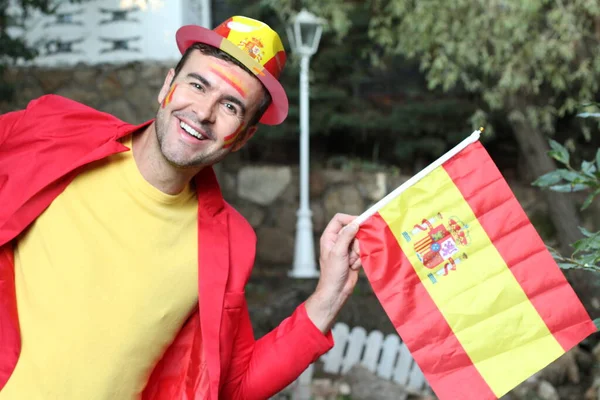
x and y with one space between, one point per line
248 87
197 59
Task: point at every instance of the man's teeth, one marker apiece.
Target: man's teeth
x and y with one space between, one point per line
191 130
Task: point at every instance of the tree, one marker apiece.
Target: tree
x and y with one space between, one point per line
377 115
13 48
535 61
574 178
586 178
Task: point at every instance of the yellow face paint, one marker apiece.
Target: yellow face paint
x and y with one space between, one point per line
169 96
230 139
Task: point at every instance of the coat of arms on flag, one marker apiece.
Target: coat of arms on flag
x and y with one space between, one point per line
439 243
466 280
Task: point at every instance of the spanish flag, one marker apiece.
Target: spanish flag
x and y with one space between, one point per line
466 280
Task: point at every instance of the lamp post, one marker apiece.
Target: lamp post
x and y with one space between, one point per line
206 15
304 36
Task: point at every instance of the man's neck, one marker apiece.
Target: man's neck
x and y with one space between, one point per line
154 167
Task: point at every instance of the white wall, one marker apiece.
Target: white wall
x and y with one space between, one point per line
109 31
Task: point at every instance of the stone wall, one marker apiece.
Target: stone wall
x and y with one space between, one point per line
128 91
268 196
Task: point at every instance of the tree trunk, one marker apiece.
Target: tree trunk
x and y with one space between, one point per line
563 212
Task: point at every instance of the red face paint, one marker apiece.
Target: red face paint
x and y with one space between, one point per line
234 81
169 96
230 139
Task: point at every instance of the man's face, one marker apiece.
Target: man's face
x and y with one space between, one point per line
204 111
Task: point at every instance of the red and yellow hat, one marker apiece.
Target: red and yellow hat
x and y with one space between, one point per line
255 45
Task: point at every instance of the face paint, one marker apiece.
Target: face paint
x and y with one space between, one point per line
169 96
230 139
229 78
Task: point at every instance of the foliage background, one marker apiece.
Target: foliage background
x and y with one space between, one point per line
400 82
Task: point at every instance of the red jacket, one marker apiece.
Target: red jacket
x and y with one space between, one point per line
42 148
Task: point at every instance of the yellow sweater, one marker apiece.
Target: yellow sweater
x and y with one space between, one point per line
105 278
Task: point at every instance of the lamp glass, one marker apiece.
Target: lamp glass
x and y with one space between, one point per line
308 34
305 32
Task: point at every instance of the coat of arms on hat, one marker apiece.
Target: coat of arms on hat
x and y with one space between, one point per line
254 47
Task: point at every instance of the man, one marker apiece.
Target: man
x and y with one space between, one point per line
122 273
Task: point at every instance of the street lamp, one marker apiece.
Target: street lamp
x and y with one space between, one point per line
304 36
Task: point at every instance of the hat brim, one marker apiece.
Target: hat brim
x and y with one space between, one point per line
278 109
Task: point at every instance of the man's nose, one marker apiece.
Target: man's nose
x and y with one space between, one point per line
206 110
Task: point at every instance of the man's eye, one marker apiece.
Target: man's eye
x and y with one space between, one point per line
231 108
197 86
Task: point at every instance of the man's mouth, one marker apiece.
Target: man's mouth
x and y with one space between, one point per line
191 130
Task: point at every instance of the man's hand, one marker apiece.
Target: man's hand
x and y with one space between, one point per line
340 262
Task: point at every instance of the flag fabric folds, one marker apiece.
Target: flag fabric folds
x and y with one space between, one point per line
466 280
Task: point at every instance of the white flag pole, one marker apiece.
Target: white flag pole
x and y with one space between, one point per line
424 172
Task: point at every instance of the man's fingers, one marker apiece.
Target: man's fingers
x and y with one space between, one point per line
356 247
345 237
334 226
356 265
338 221
354 251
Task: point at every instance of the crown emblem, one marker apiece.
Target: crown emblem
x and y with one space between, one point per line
254 47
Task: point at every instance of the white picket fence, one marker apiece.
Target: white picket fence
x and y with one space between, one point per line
387 357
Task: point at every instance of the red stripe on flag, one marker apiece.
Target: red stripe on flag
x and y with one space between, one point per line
506 224
415 316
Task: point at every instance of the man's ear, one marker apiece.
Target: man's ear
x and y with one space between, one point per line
248 134
166 86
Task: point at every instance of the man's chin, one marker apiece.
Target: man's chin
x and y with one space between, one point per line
185 164
176 158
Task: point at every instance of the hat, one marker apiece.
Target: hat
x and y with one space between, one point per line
255 45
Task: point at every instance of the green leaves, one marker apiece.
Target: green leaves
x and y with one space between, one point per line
586 251
540 51
587 244
563 180
559 152
549 179
588 168
590 198
568 188
567 179
586 254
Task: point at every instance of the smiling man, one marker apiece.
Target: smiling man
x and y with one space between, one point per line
121 266
207 107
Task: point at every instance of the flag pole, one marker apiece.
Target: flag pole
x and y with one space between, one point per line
472 138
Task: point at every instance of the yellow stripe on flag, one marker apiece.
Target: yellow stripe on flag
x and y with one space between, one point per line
480 299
